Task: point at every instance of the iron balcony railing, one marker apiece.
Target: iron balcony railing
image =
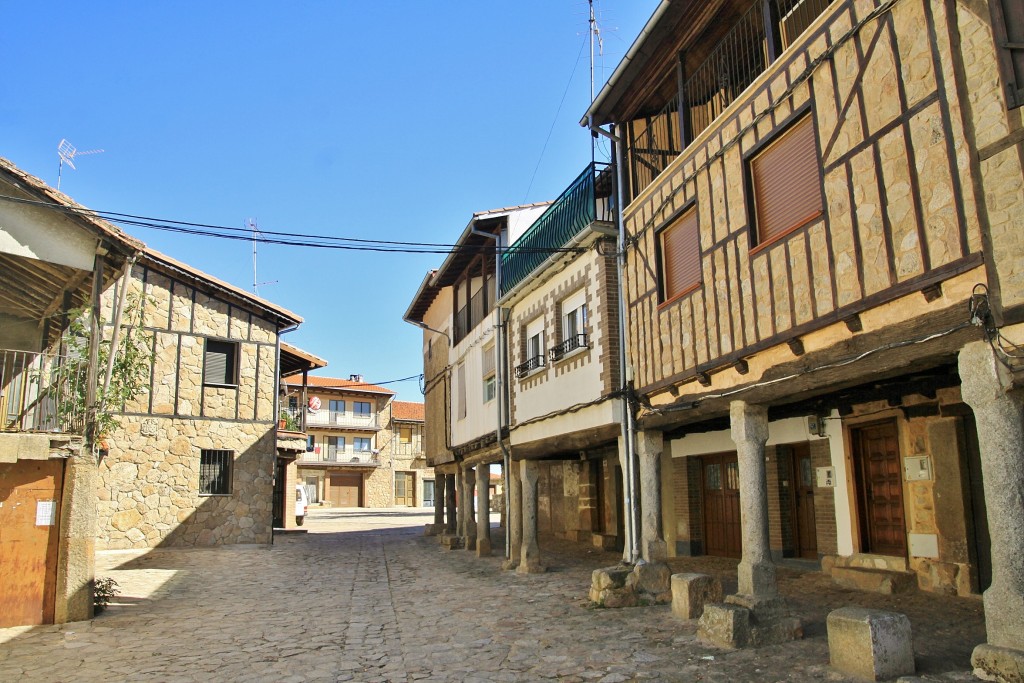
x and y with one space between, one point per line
339 455
42 392
587 200
334 418
524 369
755 40
576 341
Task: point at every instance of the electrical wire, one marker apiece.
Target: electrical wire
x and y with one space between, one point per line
307 240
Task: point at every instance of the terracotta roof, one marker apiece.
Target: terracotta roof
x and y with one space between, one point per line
338 383
407 410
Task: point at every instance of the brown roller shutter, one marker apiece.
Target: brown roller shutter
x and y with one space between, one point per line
680 256
787 182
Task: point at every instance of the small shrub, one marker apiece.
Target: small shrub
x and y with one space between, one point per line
103 591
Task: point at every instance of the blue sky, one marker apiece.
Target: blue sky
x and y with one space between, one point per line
381 120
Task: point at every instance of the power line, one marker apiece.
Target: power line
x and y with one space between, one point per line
312 241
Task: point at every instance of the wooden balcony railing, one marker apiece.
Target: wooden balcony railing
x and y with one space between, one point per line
42 392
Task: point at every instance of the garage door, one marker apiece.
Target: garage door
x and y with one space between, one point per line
345 490
29 513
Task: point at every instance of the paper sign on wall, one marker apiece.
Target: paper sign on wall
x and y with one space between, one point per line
46 513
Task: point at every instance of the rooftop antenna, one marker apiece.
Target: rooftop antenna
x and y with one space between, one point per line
67 152
595 33
250 223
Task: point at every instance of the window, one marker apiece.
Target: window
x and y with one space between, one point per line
336 406
361 408
362 444
405 435
490 383
1008 31
310 443
574 325
335 447
786 182
215 472
679 256
220 367
534 351
461 376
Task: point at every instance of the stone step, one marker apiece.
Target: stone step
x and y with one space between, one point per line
874 580
872 561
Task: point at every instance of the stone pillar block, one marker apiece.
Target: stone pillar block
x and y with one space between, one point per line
652 582
870 644
724 625
608 587
483 511
691 592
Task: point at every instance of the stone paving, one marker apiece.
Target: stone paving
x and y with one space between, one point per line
364 596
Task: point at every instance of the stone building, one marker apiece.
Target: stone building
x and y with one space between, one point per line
193 459
822 243
55 259
363 448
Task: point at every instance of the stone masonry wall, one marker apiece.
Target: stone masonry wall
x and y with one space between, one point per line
149 480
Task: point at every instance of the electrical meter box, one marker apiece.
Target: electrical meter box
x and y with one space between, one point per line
826 477
918 468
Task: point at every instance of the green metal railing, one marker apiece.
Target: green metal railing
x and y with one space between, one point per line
586 200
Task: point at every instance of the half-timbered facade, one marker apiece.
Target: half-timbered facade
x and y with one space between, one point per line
822 239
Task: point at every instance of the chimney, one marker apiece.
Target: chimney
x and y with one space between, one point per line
355 378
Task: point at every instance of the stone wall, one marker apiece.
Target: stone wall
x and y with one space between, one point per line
149 480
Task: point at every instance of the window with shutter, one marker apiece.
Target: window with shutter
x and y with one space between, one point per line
786 179
1008 31
679 258
220 363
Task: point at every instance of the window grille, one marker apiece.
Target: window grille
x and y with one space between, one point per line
215 472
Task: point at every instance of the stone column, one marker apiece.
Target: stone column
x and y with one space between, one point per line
514 500
529 555
449 503
439 491
460 503
469 482
76 549
649 445
999 413
483 511
756 571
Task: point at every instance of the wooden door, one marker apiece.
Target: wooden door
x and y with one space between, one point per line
278 504
721 475
405 493
344 490
29 528
805 532
879 472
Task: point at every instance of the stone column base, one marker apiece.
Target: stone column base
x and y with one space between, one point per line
993 663
748 621
530 568
647 583
483 547
431 529
509 565
451 541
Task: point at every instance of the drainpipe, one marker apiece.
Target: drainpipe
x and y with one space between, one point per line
499 383
628 424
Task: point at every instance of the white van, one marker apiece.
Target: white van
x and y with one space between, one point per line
300 504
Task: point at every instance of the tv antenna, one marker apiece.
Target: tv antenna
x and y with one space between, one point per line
67 153
250 223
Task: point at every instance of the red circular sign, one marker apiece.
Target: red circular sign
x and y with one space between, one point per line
314 403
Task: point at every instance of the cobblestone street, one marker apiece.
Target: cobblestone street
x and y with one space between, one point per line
364 596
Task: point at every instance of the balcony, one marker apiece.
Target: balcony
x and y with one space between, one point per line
524 369
42 392
715 71
332 455
407 449
587 200
334 418
573 343
473 313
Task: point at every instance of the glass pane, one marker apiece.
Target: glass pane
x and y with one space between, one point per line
732 476
713 477
806 478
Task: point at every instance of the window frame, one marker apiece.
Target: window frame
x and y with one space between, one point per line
1011 78
794 120
402 431
226 461
357 410
332 403
231 362
358 440
688 210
